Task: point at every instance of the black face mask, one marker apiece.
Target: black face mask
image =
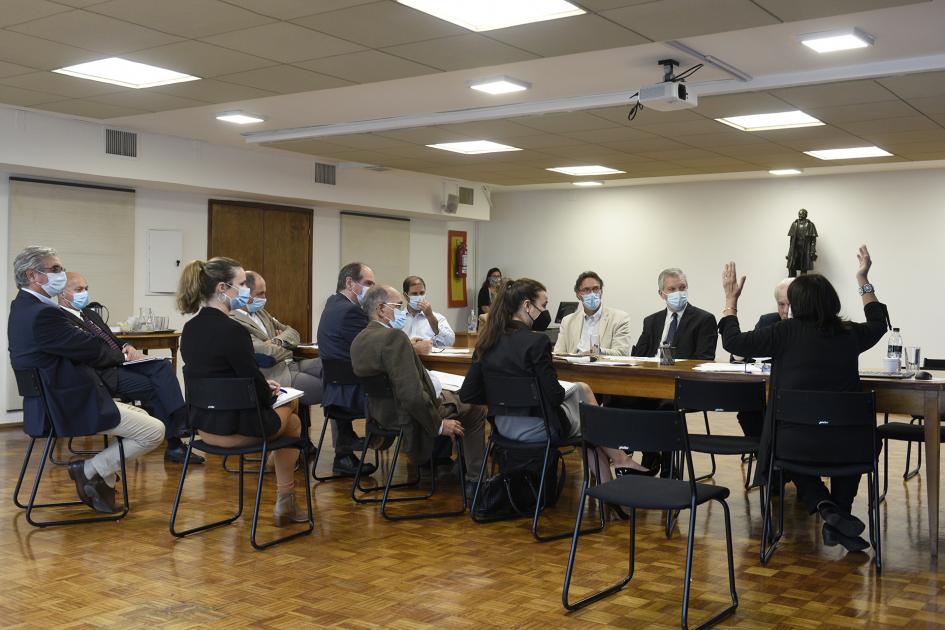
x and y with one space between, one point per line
541 322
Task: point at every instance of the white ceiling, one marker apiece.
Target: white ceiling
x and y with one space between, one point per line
301 63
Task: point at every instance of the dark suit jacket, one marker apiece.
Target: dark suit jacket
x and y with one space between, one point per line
341 321
381 350
520 351
696 336
45 337
768 319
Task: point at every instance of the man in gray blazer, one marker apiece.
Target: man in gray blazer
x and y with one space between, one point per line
608 326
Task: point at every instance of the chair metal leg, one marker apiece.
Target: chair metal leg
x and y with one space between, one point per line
672 516
318 454
770 540
422 515
875 533
540 503
751 461
303 446
81 452
909 474
687 578
356 486
882 497
729 611
234 471
180 491
711 473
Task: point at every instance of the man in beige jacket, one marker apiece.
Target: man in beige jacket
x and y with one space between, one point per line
609 327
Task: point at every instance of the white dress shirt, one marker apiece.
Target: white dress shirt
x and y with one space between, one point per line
42 298
669 320
418 326
259 323
589 329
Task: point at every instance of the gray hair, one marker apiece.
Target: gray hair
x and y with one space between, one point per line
31 258
671 271
784 283
377 295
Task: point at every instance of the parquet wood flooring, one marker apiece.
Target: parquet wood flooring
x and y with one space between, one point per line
358 571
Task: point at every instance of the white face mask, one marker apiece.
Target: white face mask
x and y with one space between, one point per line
55 283
677 300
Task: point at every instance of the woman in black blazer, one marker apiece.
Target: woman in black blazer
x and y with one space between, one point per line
512 345
215 346
813 350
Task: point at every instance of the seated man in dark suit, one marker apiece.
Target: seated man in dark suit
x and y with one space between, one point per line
420 404
340 323
690 330
153 383
43 337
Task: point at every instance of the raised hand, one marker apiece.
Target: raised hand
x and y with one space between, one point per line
731 284
863 256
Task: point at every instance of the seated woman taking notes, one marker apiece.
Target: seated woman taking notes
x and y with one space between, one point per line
215 346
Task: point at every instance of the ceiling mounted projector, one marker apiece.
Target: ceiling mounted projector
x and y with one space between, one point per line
668 96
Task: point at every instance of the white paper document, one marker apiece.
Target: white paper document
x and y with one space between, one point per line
307 345
287 394
450 382
735 368
146 359
452 351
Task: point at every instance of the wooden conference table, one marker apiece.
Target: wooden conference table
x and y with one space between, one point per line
164 340
650 380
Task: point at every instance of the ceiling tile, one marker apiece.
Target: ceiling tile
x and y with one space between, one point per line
283 42
88 109
610 134
16 96
199 59
368 141
185 18
212 91
741 105
683 129
291 9
284 79
830 94
641 146
425 135
541 141
381 25
865 111
564 122
916 85
673 19
62 85
794 10
146 100
460 51
94 32
490 129
40 53
722 139
12 69
929 105
892 125
17 11
78 3
604 5
882 138
576 34
410 151
587 153
808 138
647 117
367 66
311 147
677 155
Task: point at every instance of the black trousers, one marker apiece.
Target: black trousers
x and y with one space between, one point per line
812 490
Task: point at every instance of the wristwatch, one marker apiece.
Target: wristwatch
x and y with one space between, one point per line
867 288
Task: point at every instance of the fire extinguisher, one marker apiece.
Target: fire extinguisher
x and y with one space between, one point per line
460 261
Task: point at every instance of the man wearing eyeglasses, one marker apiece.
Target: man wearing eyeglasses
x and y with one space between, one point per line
594 327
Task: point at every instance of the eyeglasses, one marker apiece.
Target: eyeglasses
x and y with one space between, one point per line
590 290
397 306
54 269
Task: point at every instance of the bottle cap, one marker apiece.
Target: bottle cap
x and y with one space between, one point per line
895 330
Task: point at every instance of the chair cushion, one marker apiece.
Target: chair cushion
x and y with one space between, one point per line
516 445
824 470
723 444
283 442
904 431
653 493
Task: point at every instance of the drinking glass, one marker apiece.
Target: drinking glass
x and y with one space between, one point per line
913 357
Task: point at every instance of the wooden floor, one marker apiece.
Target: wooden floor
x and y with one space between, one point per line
359 571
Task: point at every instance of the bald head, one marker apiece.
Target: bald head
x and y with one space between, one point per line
377 300
256 284
75 283
780 296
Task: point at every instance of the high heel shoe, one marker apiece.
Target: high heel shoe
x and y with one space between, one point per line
622 472
287 511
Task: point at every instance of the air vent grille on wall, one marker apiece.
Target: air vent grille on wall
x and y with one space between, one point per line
324 173
466 196
124 143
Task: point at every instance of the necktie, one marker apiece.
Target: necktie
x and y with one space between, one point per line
95 328
671 333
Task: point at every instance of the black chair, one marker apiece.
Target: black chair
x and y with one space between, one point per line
30 384
337 372
721 396
378 387
649 431
510 396
824 434
237 394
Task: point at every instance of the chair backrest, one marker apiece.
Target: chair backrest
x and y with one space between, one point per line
221 394
338 372
934 364
28 383
703 395
830 428
514 395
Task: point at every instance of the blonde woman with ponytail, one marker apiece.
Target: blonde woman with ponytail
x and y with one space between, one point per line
215 346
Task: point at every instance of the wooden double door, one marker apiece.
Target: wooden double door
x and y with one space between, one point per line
275 241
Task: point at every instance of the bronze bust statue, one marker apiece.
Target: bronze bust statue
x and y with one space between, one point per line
803 248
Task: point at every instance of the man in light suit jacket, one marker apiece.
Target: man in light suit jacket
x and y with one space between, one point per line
274 339
690 330
609 325
419 403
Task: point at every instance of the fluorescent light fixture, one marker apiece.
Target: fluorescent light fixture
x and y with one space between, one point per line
239 118
776 120
848 154
126 73
584 171
499 85
473 147
487 15
839 39
588 183
785 171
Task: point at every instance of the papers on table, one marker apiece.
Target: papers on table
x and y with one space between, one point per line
450 382
454 352
287 394
307 345
146 359
735 368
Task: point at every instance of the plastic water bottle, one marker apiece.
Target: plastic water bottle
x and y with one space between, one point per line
473 322
894 346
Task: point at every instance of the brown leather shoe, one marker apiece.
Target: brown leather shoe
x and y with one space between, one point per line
77 474
287 511
102 496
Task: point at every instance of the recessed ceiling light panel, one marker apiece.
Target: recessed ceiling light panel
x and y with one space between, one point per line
499 85
776 120
585 171
125 73
848 154
473 147
239 118
836 40
487 15
588 184
785 171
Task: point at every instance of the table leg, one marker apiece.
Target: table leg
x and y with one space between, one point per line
174 359
932 446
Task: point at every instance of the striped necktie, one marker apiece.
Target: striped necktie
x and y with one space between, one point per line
95 328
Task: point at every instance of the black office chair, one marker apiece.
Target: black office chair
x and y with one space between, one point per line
237 394
825 434
30 384
649 431
378 387
337 372
522 396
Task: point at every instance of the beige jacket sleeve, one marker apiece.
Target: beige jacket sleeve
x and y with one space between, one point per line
615 339
261 344
569 335
283 335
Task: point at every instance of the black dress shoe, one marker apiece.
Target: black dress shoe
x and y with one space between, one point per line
833 537
623 472
102 496
347 466
77 474
846 524
177 454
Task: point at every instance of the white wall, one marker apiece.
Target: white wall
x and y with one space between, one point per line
629 234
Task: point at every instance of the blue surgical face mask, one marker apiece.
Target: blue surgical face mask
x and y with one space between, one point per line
591 301
80 300
363 293
241 299
415 301
55 283
677 300
400 319
256 305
